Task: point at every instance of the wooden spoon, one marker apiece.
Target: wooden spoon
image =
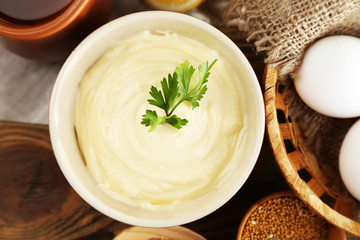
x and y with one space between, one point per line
170 233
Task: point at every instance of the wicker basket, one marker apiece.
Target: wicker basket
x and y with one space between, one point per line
298 165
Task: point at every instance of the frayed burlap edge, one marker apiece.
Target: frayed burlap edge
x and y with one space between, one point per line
284 29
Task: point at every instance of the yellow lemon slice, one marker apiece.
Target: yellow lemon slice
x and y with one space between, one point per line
174 5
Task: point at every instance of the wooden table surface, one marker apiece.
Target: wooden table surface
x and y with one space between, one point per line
36 202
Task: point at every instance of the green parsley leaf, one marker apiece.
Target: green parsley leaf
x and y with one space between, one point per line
176 121
196 94
175 90
171 91
194 100
150 118
158 99
184 73
204 74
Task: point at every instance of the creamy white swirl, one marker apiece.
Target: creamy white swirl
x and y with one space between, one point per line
160 168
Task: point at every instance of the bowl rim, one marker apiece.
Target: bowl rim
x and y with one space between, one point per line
59 150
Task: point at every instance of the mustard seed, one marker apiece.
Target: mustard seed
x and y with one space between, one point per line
284 218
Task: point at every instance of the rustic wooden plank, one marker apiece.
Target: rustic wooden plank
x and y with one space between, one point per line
36 200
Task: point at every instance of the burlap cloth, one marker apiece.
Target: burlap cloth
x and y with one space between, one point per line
284 29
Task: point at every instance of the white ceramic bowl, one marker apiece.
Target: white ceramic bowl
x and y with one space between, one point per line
61 121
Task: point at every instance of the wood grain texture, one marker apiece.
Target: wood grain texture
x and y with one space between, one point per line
36 201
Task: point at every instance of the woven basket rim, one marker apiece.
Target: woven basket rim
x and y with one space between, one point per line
297 184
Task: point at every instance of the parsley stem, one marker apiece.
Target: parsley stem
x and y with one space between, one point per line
177 104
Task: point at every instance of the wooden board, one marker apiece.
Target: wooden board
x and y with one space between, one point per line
36 200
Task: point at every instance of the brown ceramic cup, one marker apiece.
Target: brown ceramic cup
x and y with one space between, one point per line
53 38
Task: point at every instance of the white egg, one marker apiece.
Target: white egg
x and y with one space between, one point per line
349 160
328 80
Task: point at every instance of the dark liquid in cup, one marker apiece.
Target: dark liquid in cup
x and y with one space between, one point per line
31 12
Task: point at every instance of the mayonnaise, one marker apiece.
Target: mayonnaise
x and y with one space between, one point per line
161 168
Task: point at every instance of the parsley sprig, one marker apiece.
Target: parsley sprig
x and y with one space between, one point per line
175 90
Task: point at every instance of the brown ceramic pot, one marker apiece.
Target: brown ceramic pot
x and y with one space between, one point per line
54 38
